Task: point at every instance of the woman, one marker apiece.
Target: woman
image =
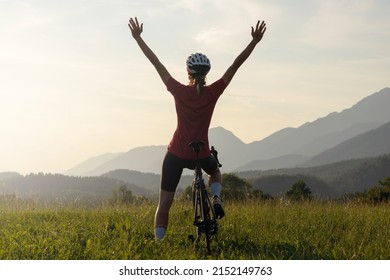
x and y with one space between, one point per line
195 104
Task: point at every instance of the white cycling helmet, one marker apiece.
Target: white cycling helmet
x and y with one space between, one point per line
198 63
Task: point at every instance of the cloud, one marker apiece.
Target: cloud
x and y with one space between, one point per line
339 23
216 39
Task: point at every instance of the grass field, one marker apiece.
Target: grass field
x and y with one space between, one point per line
250 230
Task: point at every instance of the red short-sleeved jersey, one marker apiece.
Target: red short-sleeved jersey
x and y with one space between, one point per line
194 114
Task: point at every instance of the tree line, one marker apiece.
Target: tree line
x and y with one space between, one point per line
238 189
235 188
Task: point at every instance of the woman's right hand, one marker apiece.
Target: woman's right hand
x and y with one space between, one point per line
257 34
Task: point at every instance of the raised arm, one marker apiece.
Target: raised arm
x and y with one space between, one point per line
136 31
257 35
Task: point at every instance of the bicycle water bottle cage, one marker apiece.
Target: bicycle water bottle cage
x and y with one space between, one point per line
196 145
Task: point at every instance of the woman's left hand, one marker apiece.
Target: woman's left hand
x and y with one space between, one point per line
135 28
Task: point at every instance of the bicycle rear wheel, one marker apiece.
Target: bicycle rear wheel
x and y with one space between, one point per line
205 216
196 202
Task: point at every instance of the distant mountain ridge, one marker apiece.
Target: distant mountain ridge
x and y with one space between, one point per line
274 163
336 180
373 143
288 147
92 163
145 159
367 114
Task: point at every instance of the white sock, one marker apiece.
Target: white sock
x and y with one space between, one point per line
159 233
216 188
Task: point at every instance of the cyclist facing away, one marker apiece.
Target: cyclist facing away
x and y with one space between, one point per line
195 104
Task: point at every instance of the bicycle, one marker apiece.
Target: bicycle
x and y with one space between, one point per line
205 219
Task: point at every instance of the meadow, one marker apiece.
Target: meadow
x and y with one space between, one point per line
250 230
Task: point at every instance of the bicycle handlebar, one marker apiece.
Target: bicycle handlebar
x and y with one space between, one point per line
215 154
197 146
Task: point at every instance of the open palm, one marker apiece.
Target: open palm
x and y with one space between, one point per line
135 28
258 32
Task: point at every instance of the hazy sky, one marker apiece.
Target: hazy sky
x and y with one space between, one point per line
74 84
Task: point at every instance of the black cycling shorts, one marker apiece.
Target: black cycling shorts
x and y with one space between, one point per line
173 166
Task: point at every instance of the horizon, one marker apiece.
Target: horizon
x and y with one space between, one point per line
74 83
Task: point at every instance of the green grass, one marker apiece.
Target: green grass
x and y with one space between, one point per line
249 231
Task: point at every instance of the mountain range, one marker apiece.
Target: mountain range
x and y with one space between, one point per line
360 131
338 154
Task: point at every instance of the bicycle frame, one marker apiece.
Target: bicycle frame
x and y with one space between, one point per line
204 215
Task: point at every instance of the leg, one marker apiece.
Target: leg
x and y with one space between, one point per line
215 179
215 183
171 173
162 213
210 166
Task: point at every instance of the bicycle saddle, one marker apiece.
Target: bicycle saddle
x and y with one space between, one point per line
196 145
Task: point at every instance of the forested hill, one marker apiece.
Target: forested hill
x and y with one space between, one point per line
330 180
64 188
